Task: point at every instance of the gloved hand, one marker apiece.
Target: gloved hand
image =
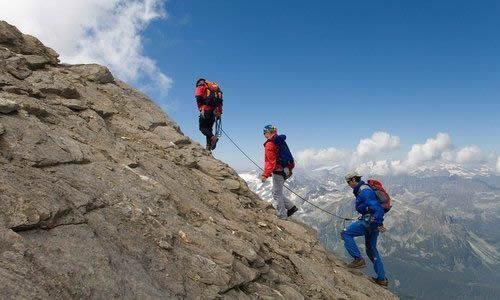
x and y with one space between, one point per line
263 178
202 113
217 114
377 227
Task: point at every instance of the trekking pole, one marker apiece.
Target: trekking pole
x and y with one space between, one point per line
286 187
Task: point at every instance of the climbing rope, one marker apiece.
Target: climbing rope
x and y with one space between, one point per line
286 187
218 127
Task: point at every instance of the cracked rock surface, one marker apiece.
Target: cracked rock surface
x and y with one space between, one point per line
102 196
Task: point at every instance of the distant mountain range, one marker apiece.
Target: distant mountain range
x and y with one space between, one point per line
443 240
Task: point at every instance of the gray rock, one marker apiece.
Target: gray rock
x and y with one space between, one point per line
94 73
231 184
5 53
53 82
18 90
36 62
6 79
60 90
9 35
14 40
73 104
8 106
104 108
17 67
290 292
164 245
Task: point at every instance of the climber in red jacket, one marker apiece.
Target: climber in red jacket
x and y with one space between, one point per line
279 163
209 100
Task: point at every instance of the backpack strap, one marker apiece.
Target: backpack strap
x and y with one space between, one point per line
364 187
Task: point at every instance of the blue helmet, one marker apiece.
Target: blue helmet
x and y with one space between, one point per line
270 128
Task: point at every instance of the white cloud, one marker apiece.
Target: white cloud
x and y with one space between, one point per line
380 141
470 154
430 150
449 155
381 167
398 167
107 32
436 151
320 157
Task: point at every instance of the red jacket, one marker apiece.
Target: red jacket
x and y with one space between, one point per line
271 158
201 94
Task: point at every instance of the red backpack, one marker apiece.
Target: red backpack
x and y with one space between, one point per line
214 92
382 196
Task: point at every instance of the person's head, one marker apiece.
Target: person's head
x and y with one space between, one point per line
352 179
200 81
269 131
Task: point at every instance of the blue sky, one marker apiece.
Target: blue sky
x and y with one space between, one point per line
329 73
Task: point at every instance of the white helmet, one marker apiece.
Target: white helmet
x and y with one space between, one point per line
351 175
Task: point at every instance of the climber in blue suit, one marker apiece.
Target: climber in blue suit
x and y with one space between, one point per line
369 225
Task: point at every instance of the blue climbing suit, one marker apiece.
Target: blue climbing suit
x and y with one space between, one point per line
372 216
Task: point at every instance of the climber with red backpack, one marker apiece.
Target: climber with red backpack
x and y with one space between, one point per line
279 164
209 101
372 202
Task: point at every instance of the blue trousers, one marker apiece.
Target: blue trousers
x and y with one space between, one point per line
360 228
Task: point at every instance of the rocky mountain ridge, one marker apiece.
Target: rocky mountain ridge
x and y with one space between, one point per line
102 196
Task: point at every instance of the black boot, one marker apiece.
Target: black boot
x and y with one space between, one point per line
213 142
291 211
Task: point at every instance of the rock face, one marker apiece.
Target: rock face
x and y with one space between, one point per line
102 196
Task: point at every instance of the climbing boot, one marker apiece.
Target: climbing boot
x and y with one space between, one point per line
291 211
357 263
384 283
213 142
